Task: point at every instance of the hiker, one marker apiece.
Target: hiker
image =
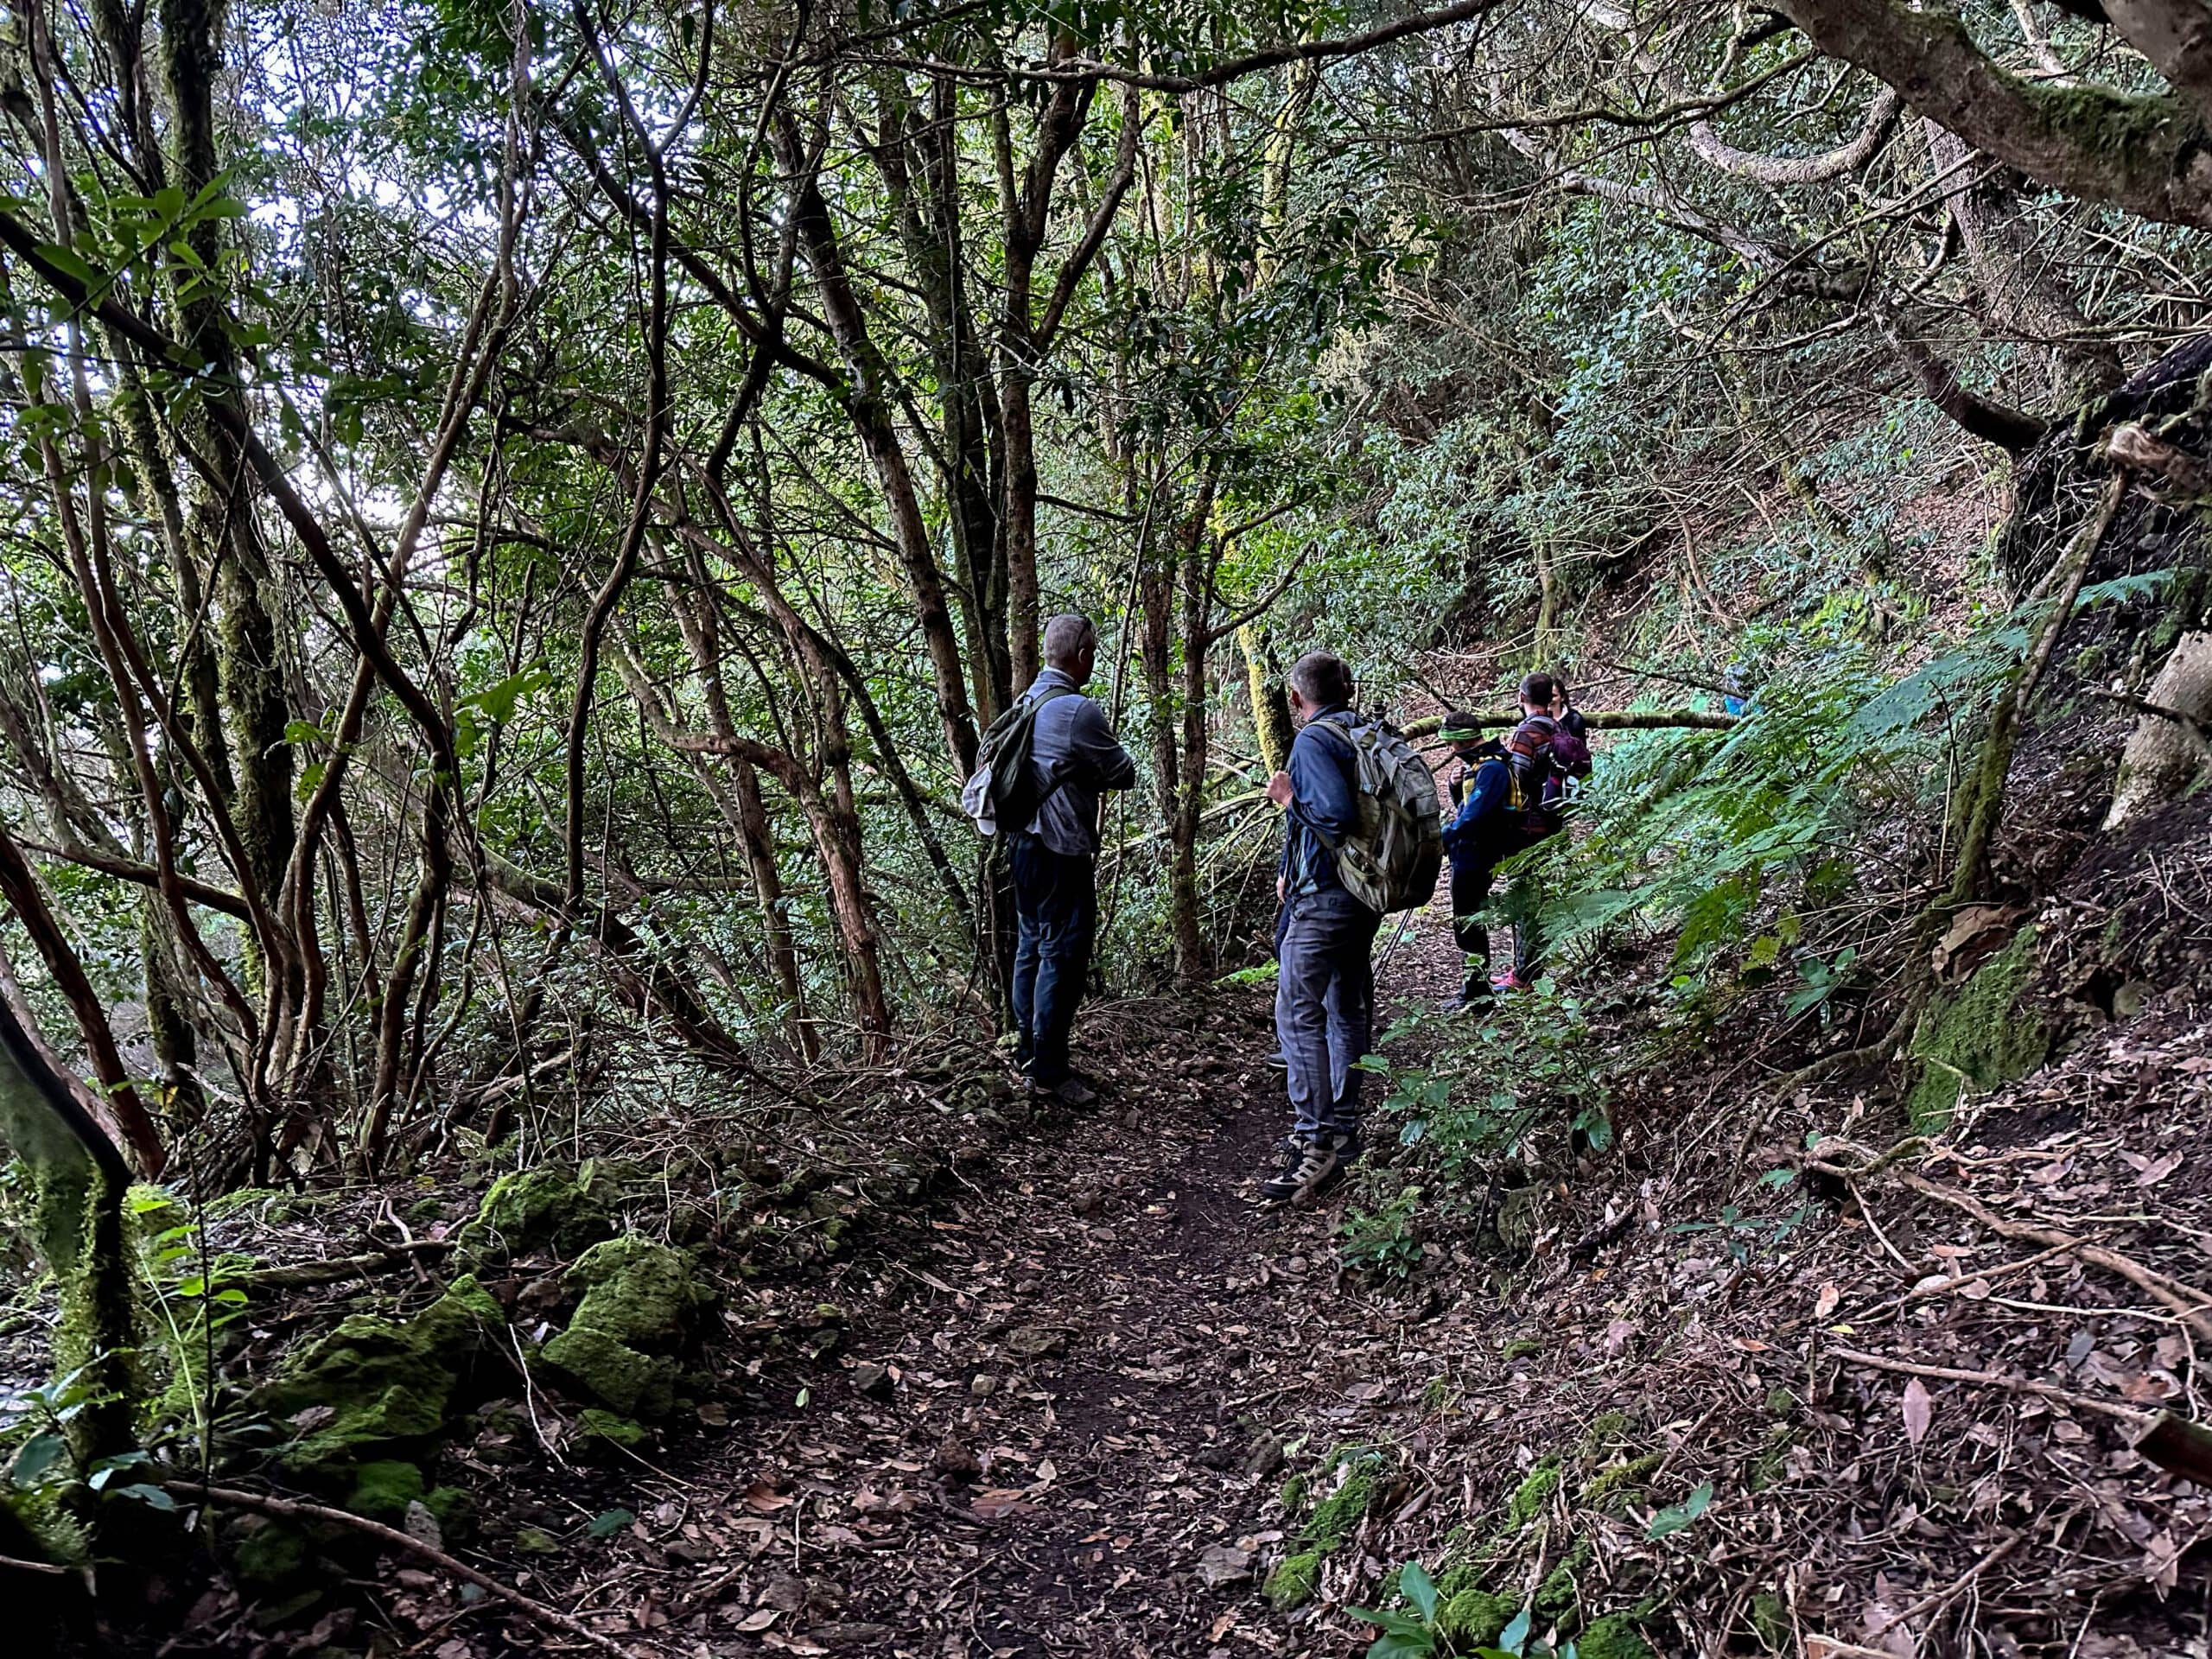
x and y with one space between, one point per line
1507 797
1325 987
1073 756
1476 839
1570 745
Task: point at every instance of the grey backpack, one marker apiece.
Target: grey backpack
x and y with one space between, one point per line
1390 862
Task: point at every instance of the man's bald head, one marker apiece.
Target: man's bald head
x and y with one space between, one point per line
1072 645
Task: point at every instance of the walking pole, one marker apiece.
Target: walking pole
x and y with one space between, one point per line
1404 921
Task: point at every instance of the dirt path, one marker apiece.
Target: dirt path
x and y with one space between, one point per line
1063 1407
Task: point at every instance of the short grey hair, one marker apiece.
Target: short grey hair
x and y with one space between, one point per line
1067 635
1321 679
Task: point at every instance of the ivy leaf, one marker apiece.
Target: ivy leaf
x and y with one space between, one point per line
610 1521
40 1453
1675 1517
1420 1589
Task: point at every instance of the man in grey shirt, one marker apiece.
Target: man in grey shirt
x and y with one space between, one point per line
1055 855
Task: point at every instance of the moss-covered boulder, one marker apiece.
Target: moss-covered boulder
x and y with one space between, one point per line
620 1348
376 1389
1978 1036
554 1205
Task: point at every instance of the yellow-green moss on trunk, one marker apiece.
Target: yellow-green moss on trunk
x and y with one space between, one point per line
1978 1035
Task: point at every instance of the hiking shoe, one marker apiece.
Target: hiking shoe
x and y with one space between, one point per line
1309 1163
1071 1091
1509 981
1349 1145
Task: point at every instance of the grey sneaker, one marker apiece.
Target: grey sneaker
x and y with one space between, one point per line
1308 1164
1069 1091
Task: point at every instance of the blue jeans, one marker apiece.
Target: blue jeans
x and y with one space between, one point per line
1056 913
1324 1005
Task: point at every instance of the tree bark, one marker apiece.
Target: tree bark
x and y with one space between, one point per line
2023 294
2148 156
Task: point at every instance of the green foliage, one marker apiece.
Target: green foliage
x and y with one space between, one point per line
1675 1517
1744 1236
1383 1242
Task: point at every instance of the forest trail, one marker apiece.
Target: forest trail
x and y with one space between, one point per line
1059 1427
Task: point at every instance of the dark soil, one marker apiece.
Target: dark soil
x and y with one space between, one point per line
1060 1418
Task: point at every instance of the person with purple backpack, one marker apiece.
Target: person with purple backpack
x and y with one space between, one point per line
1511 795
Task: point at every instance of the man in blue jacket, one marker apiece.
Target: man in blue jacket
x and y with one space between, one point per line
1324 986
1055 856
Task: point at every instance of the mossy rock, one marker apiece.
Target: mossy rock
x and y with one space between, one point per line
1521 1218
383 1488
1534 1491
639 1303
1291 1585
525 1209
1475 1619
1978 1036
608 1432
387 1384
1614 1637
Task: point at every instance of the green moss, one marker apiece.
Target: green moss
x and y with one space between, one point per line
1780 1402
1978 1036
386 1385
274 1553
1533 1493
1556 1597
1293 1495
1620 1479
1521 1348
1770 1618
1291 1585
1338 1516
531 1540
609 1429
1769 1468
550 1204
1474 1618
383 1488
1614 1637
635 1316
1434 1395
1607 1430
